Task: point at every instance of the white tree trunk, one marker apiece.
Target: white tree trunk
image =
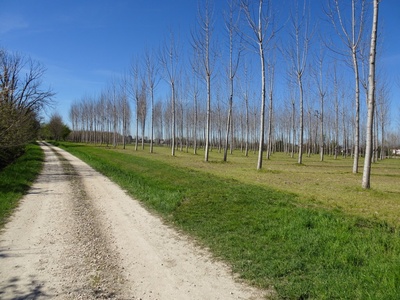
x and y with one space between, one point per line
366 184
208 121
301 128
195 125
357 121
152 118
173 118
262 114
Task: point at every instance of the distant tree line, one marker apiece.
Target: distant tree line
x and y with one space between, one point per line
106 119
55 129
22 97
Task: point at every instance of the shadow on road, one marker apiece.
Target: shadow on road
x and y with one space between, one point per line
13 289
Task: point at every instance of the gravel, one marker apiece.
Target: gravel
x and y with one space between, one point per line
77 235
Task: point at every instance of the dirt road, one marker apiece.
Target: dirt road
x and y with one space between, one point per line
77 235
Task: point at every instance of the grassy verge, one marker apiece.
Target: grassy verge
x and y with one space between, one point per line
16 179
268 236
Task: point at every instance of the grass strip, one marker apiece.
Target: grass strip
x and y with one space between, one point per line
267 237
16 179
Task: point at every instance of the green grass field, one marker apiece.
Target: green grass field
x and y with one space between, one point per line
16 179
309 231
328 184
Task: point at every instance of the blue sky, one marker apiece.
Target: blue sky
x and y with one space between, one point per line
83 44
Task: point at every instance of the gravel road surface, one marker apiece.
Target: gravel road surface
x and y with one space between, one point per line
77 235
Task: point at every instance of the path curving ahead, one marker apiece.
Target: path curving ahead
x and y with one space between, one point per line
77 235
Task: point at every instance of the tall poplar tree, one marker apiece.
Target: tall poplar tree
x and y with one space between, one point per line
231 26
202 43
262 34
152 80
169 58
366 179
350 31
300 34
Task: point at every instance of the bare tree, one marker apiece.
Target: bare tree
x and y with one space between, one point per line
351 33
366 180
22 98
261 27
186 113
180 113
135 72
125 110
246 105
345 123
169 58
202 43
292 140
73 117
231 26
298 52
152 80
195 93
21 83
336 104
112 94
143 109
383 103
319 79
271 84
158 120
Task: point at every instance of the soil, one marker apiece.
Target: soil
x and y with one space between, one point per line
77 235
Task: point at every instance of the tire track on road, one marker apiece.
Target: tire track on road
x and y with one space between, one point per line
94 266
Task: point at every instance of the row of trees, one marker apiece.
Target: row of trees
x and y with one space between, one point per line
106 119
22 98
213 99
93 123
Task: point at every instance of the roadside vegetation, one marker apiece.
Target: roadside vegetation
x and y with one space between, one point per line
16 178
306 230
22 99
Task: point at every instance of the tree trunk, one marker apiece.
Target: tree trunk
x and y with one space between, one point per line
195 125
228 125
152 119
322 129
293 128
137 123
300 159
246 152
357 121
262 116
208 121
173 118
336 115
366 184
383 154
143 130
270 111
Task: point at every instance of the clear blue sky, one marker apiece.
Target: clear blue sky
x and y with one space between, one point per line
83 44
